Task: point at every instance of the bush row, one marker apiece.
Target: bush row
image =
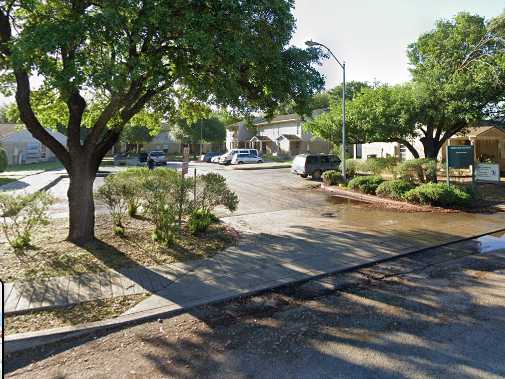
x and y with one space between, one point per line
416 170
166 198
435 194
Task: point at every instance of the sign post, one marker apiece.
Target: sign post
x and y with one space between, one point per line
185 160
459 157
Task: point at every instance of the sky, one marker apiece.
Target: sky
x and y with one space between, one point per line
372 36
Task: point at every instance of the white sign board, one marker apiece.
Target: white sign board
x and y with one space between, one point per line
487 172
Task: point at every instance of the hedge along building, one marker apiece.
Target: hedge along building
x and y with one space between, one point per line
22 148
283 135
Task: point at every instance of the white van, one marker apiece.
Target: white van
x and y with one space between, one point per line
226 157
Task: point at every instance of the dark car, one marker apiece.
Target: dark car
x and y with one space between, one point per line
208 156
314 164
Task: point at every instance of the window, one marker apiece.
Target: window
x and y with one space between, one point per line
312 159
359 151
325 159
403 152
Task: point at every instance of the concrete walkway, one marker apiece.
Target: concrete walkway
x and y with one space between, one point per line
260 261
34 183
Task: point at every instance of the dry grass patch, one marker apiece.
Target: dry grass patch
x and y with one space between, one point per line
51 255
89 311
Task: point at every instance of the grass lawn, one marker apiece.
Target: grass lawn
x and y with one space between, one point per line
41 166
6 181
51 255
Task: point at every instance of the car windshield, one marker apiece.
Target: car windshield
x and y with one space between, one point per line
157 153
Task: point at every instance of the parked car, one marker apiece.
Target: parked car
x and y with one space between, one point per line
215 159
209 155
136 159
226 157
314 165
250 157
120 159
158 156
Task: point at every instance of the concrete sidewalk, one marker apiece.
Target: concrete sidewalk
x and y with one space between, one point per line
260 261
33 183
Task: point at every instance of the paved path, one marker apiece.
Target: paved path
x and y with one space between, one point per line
289 233
33 183
260 261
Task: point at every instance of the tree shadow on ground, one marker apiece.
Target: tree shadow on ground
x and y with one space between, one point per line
416 308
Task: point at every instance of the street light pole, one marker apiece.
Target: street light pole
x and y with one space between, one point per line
342 65
343 123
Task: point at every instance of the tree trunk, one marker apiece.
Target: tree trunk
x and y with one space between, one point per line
431 147
80 201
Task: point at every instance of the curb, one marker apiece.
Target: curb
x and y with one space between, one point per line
245 168
380 201
24 341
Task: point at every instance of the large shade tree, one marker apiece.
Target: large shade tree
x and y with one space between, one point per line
136 54
458 79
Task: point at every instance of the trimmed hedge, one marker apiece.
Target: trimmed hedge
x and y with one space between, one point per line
395 189
439 194
332 177
365 184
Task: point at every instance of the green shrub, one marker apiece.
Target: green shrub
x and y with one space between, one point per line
394 189
421 170
112 194
353 166
200 220
166 200
3 160
212 191
332 177
22 214
379 166
365 184
133 187
439 194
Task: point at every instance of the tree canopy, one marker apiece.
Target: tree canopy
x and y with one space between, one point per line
458 79
168 57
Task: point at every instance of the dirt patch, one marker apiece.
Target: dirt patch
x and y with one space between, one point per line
89 311
51 255
440 325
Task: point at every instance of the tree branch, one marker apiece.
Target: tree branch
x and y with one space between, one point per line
407 144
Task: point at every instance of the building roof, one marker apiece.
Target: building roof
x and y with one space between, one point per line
260 138
262 121
290 137
8 129
477 131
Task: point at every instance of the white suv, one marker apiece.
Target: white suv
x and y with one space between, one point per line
227 157
250 157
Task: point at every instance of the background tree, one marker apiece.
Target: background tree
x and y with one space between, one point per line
458 79
133 54
455 86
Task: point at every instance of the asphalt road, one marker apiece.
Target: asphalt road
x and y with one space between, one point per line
440 315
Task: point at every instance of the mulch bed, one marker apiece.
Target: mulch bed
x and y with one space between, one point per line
51 255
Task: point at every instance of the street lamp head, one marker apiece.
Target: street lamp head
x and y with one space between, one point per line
311 43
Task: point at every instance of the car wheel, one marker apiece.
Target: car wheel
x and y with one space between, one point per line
303 175
316 175
240 162
260 161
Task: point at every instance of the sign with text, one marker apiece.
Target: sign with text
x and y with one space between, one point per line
487 172
460 156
